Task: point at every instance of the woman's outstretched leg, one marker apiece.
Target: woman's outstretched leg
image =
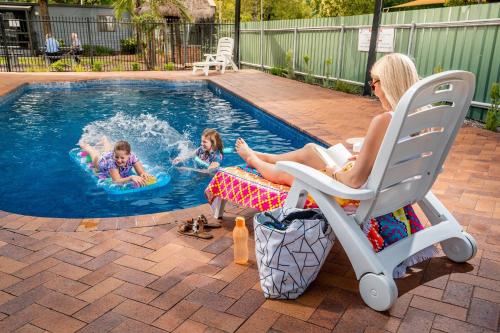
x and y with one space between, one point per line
268 170
305 155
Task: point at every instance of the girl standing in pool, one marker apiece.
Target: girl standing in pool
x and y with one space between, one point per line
116 162
210 152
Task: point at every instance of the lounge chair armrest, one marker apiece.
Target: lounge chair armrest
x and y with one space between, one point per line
210 57
322 182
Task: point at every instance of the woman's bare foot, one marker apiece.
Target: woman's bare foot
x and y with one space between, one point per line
245 152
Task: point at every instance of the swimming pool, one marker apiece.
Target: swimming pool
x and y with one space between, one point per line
41 123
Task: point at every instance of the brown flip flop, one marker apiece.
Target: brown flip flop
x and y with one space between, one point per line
194 228
207 224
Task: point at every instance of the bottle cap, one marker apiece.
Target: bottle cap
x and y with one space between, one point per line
240 221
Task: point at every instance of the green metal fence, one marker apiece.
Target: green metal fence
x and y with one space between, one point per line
464 38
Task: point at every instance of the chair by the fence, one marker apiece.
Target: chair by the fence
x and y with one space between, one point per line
221 60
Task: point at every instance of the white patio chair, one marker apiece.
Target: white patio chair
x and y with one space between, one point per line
221 60
410 158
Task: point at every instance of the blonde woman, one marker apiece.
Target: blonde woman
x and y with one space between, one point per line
392 75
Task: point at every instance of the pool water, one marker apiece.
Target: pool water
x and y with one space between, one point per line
42 123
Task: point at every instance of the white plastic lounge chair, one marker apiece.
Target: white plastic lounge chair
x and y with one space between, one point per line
410 158
222 60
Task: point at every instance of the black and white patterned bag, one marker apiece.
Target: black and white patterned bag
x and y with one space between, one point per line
290 249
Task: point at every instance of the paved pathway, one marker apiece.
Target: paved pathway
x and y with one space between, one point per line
138 274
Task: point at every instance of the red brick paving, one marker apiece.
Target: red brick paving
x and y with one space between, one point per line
137 274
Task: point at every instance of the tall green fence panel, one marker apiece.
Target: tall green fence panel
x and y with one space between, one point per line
437 39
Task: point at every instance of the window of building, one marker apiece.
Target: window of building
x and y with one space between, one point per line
106 23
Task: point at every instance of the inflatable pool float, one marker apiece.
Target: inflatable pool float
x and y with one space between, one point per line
202 164
82 158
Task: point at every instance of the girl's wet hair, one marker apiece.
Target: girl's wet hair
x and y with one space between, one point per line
122 145
214 138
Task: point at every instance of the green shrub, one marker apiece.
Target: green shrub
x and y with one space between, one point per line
347 87
277 71
128 46
493 115
117 68
61 42
79 68
59 66
290 73
29 60
169 66
437 69
308 77
97 66
99 50
135 66
36 69
328 72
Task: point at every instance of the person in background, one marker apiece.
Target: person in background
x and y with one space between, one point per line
76 47
52 50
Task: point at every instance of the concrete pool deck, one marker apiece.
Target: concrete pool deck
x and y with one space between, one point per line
138 274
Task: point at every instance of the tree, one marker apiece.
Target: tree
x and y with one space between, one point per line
451 3
44 13
272 10
329 8
133 7
145 14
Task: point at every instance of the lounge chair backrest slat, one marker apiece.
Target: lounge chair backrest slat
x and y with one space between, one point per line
422 130
224 49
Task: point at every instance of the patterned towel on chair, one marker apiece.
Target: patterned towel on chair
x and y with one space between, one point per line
249 190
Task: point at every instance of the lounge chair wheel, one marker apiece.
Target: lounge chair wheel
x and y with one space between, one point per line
460 249
378 291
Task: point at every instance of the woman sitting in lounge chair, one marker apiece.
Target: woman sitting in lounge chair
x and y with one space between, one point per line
392 76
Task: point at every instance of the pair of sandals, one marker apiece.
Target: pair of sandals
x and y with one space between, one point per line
196 227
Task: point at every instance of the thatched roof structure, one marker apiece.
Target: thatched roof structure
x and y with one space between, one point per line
199 10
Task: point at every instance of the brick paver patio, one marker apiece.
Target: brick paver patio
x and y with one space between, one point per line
138 274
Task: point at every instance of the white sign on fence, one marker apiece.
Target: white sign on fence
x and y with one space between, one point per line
14 23
385 42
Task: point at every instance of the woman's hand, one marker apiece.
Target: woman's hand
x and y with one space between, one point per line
353 158
138 180
176 160
330 170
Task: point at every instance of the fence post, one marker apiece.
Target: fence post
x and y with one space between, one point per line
338 71
372 52
202 27
410 39
4 43
185 44
90 41
165 34
295 35
261 46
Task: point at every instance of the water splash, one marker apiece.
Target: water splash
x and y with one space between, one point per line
153 140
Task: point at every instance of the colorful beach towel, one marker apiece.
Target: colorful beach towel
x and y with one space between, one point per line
248 189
